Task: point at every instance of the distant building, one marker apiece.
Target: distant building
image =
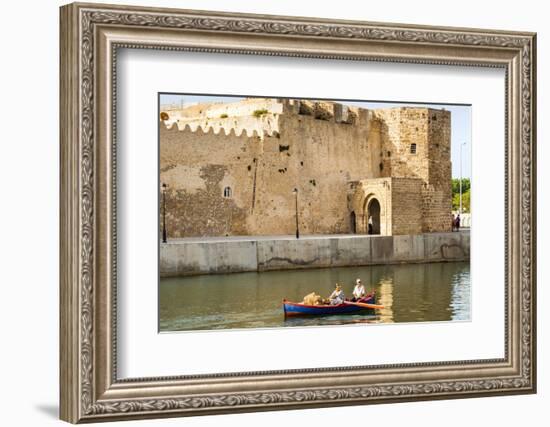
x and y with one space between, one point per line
231 168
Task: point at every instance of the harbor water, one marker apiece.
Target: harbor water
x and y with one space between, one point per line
409 293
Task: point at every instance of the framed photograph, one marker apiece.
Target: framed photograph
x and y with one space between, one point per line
266 212
280 212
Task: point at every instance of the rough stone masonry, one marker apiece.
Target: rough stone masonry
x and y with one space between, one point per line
231 168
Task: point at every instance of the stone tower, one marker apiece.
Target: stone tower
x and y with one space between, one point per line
412 193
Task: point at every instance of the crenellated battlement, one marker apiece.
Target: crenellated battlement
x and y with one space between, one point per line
330 111
222 128
258 116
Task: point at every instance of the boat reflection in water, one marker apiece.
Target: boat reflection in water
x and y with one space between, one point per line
409 293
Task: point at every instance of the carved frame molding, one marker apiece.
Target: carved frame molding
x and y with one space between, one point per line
90 37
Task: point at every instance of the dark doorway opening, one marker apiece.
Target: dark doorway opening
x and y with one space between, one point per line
373 217
353 224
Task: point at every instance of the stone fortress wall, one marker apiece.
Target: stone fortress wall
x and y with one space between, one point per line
231 168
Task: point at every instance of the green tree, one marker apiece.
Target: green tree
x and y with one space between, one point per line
465 194
456 185
466 201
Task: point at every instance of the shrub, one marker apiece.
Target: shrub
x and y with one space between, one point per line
260 113
223 116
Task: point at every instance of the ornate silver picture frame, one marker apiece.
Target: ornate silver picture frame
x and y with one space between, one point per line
90 387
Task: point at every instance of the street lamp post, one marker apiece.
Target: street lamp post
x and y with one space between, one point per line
163 213
460 182
295 191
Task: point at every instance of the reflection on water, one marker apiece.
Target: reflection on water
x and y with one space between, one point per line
409 293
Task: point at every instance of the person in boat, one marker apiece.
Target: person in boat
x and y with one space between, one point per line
337 297
312 299
359 290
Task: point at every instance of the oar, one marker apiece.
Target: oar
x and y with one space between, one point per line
364 304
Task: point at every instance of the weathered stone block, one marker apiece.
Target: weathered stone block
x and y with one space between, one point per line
465 243
190 258
293 254
353 251
444 246
168 262
408 248
381 249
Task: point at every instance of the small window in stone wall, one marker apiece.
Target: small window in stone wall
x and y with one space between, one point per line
227 192
413 148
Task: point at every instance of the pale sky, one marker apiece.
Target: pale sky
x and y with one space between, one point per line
461 121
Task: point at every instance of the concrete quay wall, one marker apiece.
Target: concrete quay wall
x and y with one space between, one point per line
183 258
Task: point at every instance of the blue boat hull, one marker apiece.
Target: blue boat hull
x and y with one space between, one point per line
299 309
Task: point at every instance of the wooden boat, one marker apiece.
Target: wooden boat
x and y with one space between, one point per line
348 307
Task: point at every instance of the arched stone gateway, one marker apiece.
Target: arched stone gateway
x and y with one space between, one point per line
396 206
371 199
389 206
